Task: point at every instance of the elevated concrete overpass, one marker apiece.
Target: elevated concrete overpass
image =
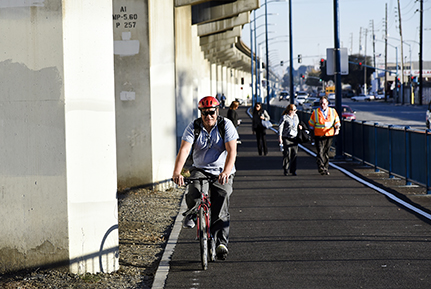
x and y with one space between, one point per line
95 96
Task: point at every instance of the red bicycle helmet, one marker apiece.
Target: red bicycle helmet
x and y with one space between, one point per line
208 102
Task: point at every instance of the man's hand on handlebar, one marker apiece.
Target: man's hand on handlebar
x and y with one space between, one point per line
223 178
178 179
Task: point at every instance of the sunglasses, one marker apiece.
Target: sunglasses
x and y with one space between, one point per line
208 112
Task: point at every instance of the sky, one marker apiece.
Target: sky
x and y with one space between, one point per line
313 29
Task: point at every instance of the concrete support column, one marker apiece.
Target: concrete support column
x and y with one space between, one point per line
58 163
186 80
219 79
90 136
224 79
162 85
213 69
146 106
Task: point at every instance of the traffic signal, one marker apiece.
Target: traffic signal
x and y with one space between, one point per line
322 64
360 64
281 63
302 76
299 58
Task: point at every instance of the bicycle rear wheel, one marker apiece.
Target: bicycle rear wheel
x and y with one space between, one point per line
203 238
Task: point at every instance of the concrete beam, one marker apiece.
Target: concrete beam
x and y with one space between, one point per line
179 3
230 34
215 10
223 25
237 65
232 55
213 49
224 55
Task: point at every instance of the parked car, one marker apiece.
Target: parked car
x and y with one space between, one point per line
308 103
331 97
428 116
316 104
347 93
348 113
301 96
380 96
363 97
284 95
240 101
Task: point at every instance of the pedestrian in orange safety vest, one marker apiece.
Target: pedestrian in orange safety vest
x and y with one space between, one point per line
326 123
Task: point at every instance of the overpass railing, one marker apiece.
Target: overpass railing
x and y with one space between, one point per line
401 151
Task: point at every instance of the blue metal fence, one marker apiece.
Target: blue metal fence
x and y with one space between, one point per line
401 151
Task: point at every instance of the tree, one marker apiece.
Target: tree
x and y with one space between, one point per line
313 78
356 71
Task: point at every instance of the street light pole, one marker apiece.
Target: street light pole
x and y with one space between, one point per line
292 93
337 72
257 66
267 58
396 64
402 64
420 49
252 61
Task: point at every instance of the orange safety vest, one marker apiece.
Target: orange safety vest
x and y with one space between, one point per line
324 126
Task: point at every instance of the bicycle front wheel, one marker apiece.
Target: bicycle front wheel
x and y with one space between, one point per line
203 237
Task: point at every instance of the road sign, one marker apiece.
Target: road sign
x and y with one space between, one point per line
330 61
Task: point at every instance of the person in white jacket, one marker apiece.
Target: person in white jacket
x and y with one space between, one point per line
287 132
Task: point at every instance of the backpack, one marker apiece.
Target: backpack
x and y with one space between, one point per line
303 134
197 128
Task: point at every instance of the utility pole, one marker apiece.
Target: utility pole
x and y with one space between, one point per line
420 49
374 43
402 55
360 39
386 50
365 63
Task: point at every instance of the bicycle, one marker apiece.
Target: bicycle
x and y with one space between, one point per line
202 210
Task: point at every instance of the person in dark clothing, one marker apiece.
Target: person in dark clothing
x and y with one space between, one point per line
260 114
233 116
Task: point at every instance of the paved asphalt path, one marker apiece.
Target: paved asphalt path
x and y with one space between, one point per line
308 231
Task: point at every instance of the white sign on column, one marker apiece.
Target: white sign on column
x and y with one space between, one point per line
330 61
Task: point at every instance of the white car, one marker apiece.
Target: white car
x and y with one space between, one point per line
380 96
363 97
428 116
331 97
308 103
300 97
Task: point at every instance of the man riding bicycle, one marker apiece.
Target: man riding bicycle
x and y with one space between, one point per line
214 154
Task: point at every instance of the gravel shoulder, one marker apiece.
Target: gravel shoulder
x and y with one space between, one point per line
145 220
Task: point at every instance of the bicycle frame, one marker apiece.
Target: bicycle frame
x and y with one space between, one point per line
204 204
203 211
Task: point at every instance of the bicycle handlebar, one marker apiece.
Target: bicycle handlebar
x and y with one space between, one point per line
189 180
210 179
